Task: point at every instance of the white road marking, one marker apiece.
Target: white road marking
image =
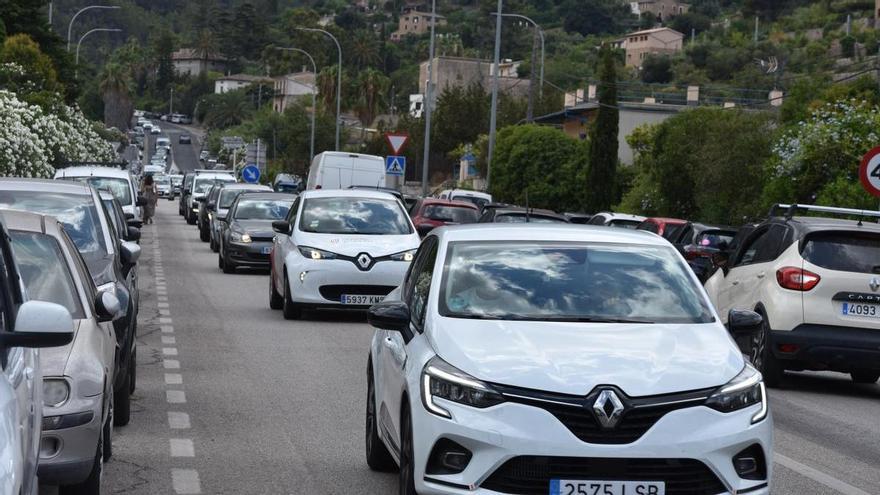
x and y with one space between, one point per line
171 364
162 304
173 379
162 298
175 397
165 321
818 476
167 329
167 340
169 351
182 447
178 420
186 481
165 312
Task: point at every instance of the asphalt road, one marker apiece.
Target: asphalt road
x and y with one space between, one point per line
233 399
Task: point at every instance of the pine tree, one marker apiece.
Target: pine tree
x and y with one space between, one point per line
602 173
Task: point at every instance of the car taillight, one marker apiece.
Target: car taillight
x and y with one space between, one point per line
794 278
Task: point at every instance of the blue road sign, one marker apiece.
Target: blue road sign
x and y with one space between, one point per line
395 165
251 174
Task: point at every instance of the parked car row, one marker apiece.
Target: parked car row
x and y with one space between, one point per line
72 243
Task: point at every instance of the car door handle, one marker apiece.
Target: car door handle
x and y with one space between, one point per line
762 275
735 282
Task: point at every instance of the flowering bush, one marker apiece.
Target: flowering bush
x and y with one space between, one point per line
34 140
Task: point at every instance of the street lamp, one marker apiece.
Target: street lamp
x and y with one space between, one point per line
96 30
314 92
493 117
70 24
541 34
429 94
338 75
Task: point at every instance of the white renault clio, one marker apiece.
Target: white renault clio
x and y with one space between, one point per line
339 249
561 360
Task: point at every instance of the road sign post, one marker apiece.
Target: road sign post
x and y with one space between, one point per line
396 141
869 172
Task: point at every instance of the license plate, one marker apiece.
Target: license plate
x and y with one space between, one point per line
585 487
266 250
361 300
861 310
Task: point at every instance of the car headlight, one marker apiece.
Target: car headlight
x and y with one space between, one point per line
55 392
404 256
240 237
441 379
316 254
746 389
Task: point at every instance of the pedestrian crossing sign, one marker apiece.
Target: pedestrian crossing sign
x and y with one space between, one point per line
395 165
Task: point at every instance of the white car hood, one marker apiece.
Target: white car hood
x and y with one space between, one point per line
574 358
353 245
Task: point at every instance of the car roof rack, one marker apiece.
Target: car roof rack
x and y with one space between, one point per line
834 210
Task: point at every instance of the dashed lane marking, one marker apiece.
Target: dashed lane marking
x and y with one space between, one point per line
173 379
186 481
175 396
171 364
178 420
819 476
182 447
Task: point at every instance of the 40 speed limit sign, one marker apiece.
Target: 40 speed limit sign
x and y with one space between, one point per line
869 172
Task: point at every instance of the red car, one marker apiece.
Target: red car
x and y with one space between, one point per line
663 227
430 213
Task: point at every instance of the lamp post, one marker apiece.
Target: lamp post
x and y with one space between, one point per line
314 103
429 94
80 11
493 117
540 31
338 76
96 30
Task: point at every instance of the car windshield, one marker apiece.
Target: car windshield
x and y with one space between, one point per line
479 202
450 214
287 187
44 271
202 186
521 218
177 181
714 239
527 280
76 212
262 209
844 251
349 215
625 224
119 187
162 180
227 197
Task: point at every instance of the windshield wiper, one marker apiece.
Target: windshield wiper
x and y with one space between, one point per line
599 319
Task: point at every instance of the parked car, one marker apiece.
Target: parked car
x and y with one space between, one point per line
126 228
186 191
621 220
286 183
163 186
78 401
184 139
247 239
341 170
219 206
664 227
815 280
203 155
512 359
111 262
339 249
163 143
579 218
155 130
201 183
186 120
25 325
521 215
430 213
700 243
119 182
480 199
176 185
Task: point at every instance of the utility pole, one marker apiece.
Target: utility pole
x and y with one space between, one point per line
540 33
171 105
530 111
493 118
756 28
429 94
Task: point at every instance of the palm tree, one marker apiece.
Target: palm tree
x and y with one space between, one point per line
363 49
373 87
228 109
115 87
206 45
326 82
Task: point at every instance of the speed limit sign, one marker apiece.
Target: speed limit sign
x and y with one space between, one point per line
869 172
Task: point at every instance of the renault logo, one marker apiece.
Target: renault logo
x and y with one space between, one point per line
875 284
364 261
608 408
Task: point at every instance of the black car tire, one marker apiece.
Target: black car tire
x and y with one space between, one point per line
406 479
220 261
122 402
865 376
276 301
214 246
204 234
289 308
92 484
763 358
191 219
132 370
228 266
378 457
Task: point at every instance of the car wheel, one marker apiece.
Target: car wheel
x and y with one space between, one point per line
378 457
763 359
865 376
406 479
122 402
190 219
228 267
132 370
204 234
291 311
214 246
92 484
276 301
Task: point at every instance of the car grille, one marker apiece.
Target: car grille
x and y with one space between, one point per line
531 475
575 412
262 238
335 292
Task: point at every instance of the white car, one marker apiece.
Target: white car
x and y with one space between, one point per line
340 249
117 181
533 359
816 282
480 199
156 130
201 184
621 220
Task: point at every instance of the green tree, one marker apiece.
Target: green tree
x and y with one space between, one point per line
115 87
373 87
657 69
162 52
22 50
601 187
227 109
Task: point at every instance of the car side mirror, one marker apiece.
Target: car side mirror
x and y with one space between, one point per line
424 229
40 324
391 315
134 234
744 323
281 227
212 205
135 223
721 259
129 216
141 201
107 307
130 253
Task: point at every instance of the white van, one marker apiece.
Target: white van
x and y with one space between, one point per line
480 199
340 170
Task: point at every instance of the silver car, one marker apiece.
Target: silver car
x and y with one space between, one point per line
77 378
